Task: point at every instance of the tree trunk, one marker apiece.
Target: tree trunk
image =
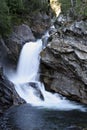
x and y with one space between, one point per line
73 3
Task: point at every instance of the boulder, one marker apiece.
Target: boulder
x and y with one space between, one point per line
8 94
19 36
36 89
64 62
77 28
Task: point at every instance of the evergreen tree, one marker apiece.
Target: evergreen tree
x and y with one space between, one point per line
5 20
15 6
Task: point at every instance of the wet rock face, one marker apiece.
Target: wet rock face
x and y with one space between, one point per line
64 62
8 94
20 35
36 89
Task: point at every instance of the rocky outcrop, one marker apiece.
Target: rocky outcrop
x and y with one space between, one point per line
34 26
8 94
35 88
20 35
64 60
40 22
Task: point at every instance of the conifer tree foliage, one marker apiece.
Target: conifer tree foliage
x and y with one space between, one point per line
5 19
76 8
16 9
15 6
11 10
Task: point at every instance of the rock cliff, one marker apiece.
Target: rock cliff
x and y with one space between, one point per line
8 94
64 60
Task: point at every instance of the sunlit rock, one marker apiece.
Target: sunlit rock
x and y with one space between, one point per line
56 7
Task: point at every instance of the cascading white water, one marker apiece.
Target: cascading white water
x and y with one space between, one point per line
29 61
27 75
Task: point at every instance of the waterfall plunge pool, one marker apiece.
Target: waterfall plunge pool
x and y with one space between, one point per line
52 113
28 86
26 117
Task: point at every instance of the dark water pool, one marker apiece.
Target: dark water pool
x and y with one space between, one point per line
26 117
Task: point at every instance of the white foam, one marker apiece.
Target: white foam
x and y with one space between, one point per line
27 71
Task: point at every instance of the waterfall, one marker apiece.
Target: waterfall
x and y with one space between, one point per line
28 86
29 61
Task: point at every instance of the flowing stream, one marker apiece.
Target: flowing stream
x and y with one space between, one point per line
28 86
43 110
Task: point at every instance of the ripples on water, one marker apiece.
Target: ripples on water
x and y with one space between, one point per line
26 117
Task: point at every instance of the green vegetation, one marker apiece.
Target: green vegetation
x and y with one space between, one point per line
79 10
14 12
15 6
5 19
35 5
8 8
